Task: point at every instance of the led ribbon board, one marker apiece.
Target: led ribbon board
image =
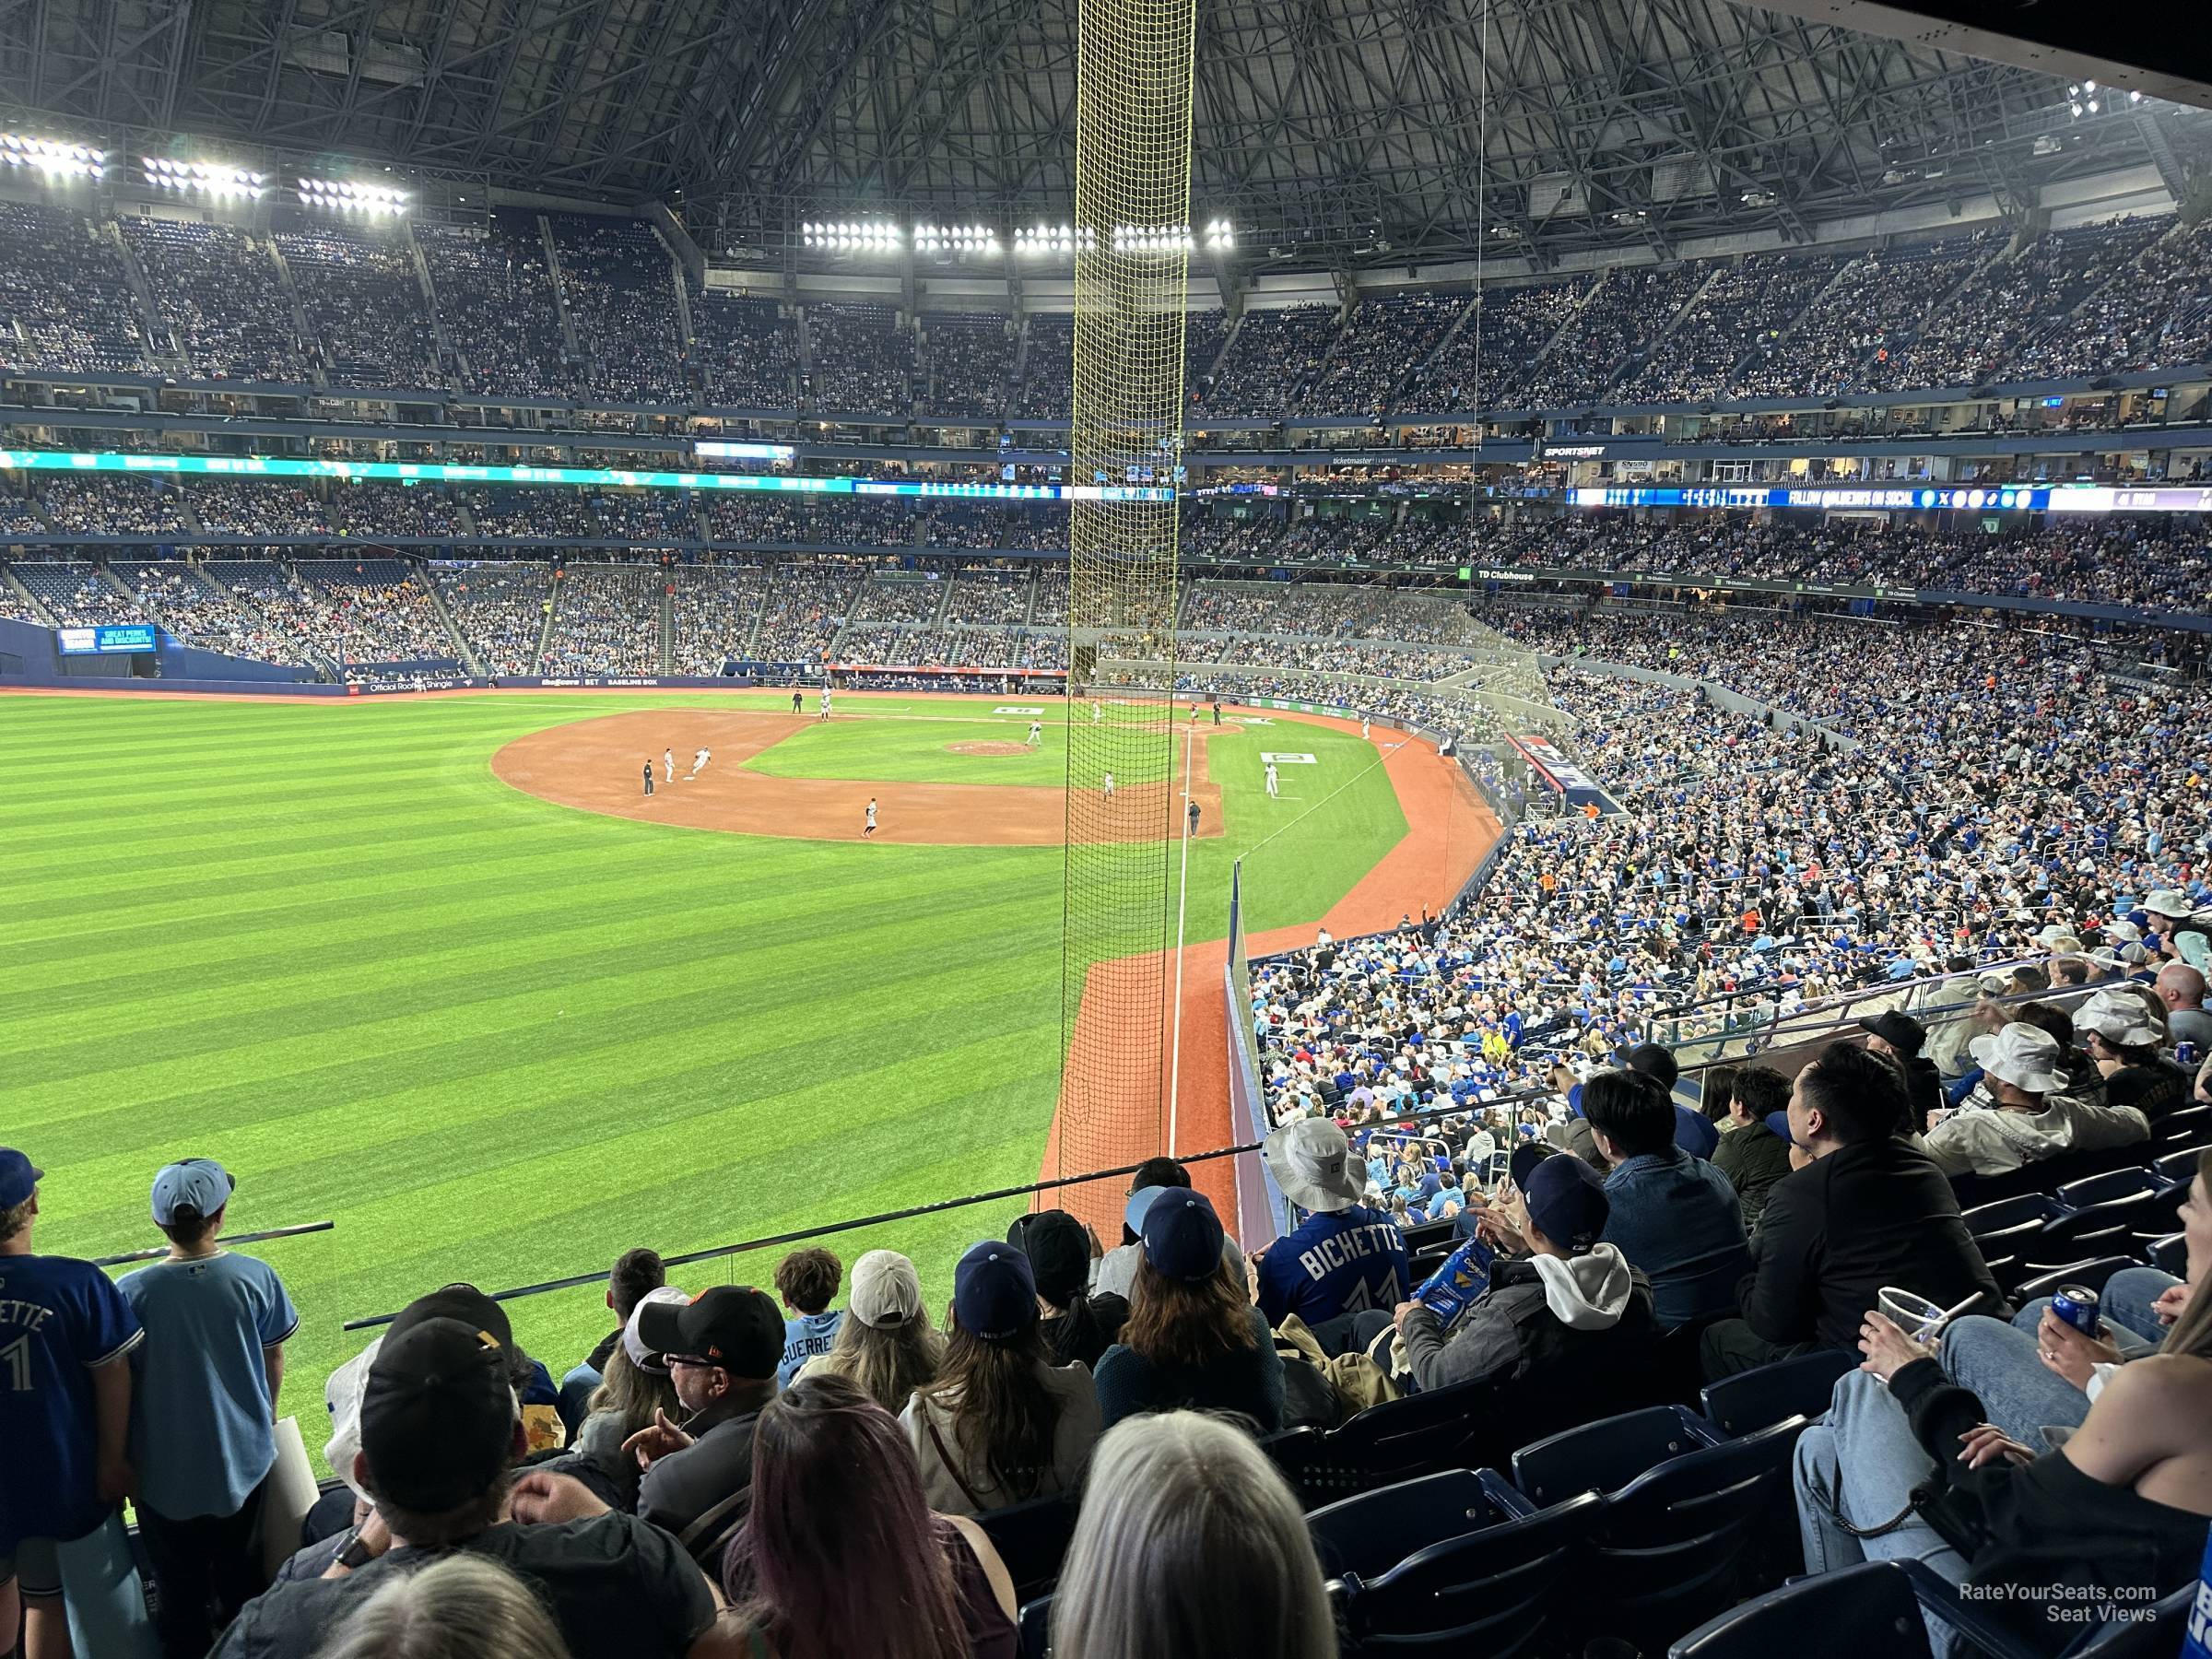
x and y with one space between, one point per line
440 472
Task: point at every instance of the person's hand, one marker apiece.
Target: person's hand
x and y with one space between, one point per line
2068 1353
1097 1249
542 1498
1987 1443
1502 1235
371 1534
1887 1346
657 1440
1398 1314
2170 1302
114 1480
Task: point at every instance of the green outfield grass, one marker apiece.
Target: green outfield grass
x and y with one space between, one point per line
498 1039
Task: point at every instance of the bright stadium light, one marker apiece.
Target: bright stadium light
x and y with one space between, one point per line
842 236
1220 236
1152 239
344 194
51 156
210 178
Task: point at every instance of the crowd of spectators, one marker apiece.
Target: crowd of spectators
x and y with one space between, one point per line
75 594
1491 362
1385 341
257 507
971 362
712 607
648 515
988 597
366 313
1274 359
111 506
620 286
390 601
1879 301
806 605
218 295
862 360
496 300
606 619
531 514
1048 367
805 522
499 608
746 349
1744 313
978 525
370 509
205 615
66 302
901 596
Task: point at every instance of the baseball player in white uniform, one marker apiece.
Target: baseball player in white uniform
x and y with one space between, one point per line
824 714
1363 725
1273 782
698 763
1110 786
871 827
668 760
1036 734
1098 711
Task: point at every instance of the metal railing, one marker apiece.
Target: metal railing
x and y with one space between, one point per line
228 1238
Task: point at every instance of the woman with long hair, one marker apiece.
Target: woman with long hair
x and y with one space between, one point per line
1001 1423
635 1385
1077 1326
840 1554
1193 1338
463 1606
1908 1466
888 1346
1189 1543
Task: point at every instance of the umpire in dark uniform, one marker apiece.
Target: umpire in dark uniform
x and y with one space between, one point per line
649 774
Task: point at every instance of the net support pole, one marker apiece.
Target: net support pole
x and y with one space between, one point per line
1133 236
1183 895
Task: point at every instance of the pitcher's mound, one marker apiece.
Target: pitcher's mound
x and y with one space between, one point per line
988 748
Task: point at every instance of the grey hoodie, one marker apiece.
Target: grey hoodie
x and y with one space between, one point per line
1541 1313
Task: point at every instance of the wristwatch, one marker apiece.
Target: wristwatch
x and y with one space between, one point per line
356 1554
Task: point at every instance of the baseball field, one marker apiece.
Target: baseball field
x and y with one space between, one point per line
498 1015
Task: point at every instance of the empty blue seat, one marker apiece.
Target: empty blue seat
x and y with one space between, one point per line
1854 1611
2029 1209
1370 1534
2192 1126
2169 1255
1694 1531
2160 1634
1493 1591
1608 1453
2176 1169
1800 1387
2099 1189
2111 1227
2092 1274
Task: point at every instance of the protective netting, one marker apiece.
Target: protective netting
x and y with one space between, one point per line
1133 219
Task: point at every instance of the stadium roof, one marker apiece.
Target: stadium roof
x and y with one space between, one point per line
1337 129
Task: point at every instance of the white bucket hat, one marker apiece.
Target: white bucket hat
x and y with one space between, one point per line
1308 1159
2119 1017
2170 901
2023 1055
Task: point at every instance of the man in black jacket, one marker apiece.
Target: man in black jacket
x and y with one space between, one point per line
723 1349
1901 1037
1869 1210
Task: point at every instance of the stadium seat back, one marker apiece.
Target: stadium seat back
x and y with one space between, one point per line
2002 1217
1035 1624
2092 1272
1869 1608
1370 1534
2192 1126
2169 1255
2108 1229
1753 1399
2101 1189
2178 1168
1490 1592
1033 1539
1606 1455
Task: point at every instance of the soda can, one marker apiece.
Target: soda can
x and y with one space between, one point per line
2076 1304
2185 1054
1459 1284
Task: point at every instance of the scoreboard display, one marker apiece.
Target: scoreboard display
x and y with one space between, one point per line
92 641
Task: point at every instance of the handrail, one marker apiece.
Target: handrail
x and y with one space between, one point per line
244 1238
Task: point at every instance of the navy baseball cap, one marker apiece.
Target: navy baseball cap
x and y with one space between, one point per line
18 1177
200 1182
1183 1237
1780 1123
1567 1201
995 1291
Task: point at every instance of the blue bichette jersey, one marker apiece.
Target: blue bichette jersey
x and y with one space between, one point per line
1337 1261
59 1319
